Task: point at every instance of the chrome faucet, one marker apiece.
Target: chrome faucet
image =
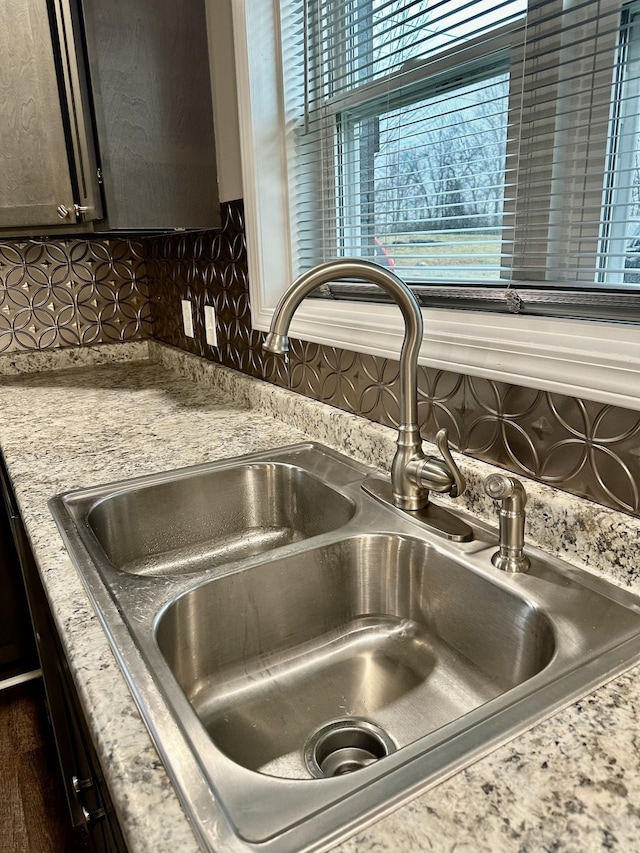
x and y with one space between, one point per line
510 557
413 474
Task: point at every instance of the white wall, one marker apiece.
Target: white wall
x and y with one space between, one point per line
225 102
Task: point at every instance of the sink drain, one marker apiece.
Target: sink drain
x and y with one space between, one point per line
344 746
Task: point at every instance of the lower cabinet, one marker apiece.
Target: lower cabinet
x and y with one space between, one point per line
84 785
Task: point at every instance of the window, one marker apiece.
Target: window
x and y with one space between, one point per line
404 140
475 147
422 181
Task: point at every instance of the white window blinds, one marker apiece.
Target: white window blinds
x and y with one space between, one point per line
480 145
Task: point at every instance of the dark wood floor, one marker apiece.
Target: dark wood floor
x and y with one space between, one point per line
33 812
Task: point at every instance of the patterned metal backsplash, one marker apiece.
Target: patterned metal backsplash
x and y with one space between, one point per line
583 447
61 293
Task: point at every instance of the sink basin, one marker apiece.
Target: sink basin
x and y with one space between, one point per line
307 658
381 627
216 516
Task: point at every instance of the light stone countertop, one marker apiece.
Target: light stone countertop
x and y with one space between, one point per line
571 783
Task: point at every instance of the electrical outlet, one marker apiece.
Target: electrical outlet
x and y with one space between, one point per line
210 325
187 318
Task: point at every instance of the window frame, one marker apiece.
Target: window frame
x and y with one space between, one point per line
597 360
441 71
471 67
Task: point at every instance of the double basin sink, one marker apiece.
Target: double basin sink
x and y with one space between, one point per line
307 658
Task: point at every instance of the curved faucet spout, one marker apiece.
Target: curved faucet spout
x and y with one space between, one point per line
278 342
410 492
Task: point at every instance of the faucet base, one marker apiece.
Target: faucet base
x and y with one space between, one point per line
511 562
434 517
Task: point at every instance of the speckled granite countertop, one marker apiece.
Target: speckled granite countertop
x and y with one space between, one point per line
572 783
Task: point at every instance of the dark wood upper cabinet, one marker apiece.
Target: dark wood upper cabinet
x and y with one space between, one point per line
35 172
107 120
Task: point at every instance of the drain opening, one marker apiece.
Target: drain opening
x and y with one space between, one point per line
344 746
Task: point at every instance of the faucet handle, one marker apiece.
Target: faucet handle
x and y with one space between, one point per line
459 482
437 475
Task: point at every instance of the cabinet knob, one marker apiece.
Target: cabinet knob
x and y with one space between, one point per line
63 211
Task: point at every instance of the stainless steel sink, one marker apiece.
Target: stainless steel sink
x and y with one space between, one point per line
299 684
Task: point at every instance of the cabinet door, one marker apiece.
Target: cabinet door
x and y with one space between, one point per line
34 165
151 86
18 653
17 649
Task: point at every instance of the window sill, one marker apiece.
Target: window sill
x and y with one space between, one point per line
591 360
